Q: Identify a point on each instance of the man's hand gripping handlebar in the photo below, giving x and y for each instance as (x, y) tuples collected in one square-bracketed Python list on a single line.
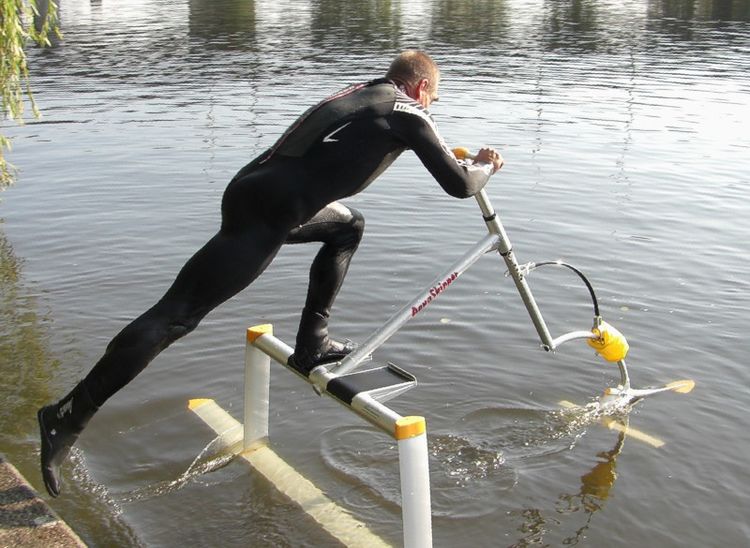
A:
[(484, 156)]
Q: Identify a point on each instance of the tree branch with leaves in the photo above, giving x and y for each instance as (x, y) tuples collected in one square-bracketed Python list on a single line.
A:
[(22, 22)]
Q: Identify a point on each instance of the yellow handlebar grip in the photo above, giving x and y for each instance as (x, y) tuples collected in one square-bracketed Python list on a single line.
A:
[(462, 153)]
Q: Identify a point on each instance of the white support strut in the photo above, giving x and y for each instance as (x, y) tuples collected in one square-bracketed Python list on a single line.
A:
[(410, 432), (415, 482), (257, 391)]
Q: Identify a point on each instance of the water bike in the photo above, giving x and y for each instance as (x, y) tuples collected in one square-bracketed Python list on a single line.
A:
[(604, 338)]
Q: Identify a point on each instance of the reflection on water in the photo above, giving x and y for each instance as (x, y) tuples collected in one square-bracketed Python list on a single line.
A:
[(480, 23), (476, 465), (223, 24), (28, 372), (466, 479), (596, 485), (363, 26), (705, 10), (26, 365)]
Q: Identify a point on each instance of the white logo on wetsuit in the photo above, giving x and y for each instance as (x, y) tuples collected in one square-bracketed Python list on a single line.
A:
[(329, 138), (65, 409)]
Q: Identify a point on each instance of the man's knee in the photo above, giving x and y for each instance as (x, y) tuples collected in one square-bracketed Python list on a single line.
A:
[(357, 224), (335, 225), (168, 322), (345, 229), (178, 328), (346, 236)]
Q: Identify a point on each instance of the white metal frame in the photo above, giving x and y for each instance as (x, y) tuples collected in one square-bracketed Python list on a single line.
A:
[(496, 240)]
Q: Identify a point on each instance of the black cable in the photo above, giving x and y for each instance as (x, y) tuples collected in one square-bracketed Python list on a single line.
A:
[(580, 275)]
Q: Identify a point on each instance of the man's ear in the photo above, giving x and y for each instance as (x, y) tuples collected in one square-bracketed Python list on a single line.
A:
[(422, 89)]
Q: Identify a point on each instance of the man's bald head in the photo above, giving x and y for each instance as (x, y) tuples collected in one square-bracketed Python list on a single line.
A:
[(412, 66)]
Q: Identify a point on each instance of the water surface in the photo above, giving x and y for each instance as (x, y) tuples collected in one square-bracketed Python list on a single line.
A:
[(624, 128)]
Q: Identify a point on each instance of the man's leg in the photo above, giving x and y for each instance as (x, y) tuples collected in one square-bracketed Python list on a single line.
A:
[(222, 268), (340, 229)]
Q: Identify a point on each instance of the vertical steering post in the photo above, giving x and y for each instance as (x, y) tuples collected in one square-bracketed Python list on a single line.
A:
[(504, 248)]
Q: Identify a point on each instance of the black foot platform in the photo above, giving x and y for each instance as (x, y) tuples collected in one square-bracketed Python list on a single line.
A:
[(381, 383)]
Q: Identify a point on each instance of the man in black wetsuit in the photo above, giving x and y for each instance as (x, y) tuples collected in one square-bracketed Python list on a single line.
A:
[(286, 195)]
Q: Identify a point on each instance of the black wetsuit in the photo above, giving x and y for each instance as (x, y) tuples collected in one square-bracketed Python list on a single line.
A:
[(288, 195)]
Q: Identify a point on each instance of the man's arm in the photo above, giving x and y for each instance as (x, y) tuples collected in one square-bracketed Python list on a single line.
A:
[(459, 178)]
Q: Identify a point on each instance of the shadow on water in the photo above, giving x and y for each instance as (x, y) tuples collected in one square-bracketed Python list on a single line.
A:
[(29, 368)]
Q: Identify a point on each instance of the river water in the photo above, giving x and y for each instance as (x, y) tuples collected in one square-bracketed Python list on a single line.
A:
[(625, 131)]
